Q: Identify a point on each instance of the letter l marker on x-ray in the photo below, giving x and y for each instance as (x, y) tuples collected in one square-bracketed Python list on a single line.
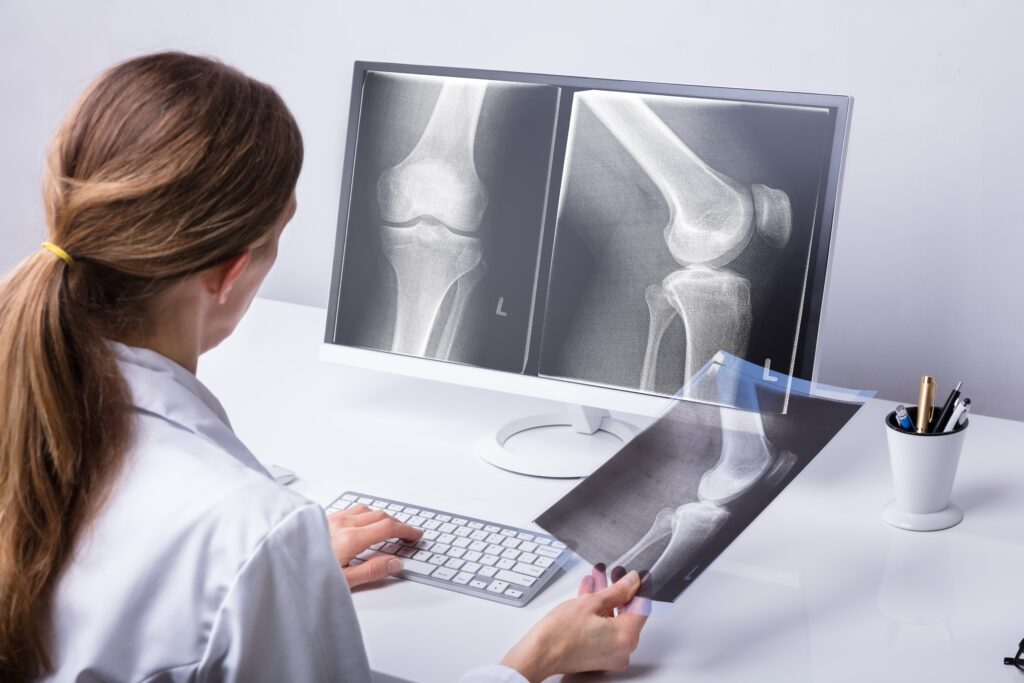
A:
[(498, 310), (767, 369)]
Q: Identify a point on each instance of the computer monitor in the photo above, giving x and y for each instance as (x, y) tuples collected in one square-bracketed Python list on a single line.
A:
[(590, 241)]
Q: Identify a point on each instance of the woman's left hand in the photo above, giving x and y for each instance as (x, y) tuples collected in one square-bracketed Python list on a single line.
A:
[(357, 528)]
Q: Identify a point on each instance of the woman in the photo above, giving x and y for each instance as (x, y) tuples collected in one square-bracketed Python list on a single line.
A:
[(139, 539)]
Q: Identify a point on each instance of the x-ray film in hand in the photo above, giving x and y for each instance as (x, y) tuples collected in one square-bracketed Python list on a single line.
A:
[(679, 493)]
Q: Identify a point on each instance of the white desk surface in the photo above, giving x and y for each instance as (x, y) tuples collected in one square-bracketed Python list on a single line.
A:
[(818, 588)]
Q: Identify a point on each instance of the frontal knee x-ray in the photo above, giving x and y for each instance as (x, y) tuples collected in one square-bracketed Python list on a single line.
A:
[(684, 228), (445, 217), (680, 492)]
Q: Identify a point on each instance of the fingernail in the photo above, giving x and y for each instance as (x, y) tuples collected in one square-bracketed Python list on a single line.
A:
[(617, 573), (632, 578), (394, 566), (599, 567)]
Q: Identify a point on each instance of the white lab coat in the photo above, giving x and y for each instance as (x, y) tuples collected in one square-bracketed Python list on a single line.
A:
[(200, 567)]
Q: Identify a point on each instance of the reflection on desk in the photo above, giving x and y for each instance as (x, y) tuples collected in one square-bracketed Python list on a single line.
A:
[(818, 588)]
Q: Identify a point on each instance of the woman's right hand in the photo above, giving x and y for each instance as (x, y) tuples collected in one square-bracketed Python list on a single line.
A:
[(356, 529), (583, 634)]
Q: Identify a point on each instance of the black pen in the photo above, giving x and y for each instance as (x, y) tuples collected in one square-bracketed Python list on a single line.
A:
[(947, 409)]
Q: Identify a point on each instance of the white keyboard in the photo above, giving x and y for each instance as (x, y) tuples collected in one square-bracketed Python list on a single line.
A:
[(473, 556)]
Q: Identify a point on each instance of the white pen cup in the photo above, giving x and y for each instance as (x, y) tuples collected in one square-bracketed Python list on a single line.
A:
[(923, 469)]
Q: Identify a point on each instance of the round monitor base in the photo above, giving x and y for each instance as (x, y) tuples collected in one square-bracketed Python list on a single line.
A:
[(546, 462), (934, 521)]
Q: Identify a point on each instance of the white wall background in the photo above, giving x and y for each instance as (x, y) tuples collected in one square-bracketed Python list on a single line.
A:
[(929, 250)]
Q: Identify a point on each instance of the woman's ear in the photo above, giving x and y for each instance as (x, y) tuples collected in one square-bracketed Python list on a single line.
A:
[(223, 277)]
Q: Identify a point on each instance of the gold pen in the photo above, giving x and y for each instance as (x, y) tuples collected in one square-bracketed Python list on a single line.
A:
[(925, 404)]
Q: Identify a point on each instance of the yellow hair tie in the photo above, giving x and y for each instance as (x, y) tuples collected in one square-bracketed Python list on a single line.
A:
[(59, 253)]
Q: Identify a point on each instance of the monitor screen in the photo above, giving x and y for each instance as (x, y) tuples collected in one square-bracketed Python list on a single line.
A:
[(573, 232)]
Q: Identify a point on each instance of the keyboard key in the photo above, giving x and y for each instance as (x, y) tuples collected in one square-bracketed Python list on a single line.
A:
[(366, 501), (446, 527), (477, 583), (548, 552), (416, 521), (443, 518), (456, 552), (475, 525), (529, 569), (441, 549), (508, 532), (495, 539), (543, 562), (497, 586), (513, 593), (460, 542), (439, 559), (477, 545), (410, 565), (543, 540), (505, 564), (459, 521), (431, 524), (395, 507), (463, 531), (488, 571), (558, 544), (491, 529), (518, 579), (401, 517), (489, 559), (527, 547), (446, 538), (390, 548), (424, 544), (406, 552), (380, 504), (462, 578), (431, 534), (454, 563), (349, 497), (523, 536), (426, 513), (471, 567), (443, 573), (494, 550), (472, 556), (479, 535), (510, 554), (511, 543), (528, 558), (412, 511), (422, 555)]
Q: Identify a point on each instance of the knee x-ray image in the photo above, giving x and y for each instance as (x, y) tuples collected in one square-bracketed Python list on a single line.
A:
[(684, 229), (615, 238), (680, 492), (445, 218)]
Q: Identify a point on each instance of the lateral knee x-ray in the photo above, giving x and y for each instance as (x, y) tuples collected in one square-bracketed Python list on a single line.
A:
[(680, 492), (608, 237)]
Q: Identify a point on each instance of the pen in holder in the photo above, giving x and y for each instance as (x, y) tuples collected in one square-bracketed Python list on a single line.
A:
[(923, 470)]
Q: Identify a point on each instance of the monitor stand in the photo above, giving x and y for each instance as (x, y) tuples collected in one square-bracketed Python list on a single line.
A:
[(586, 423)]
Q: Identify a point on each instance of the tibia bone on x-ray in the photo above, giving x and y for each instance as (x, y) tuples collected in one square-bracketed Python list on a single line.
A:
[(687, 528), (710, 214), (428, 259), (715, 308), (661, 315), (434, 201)]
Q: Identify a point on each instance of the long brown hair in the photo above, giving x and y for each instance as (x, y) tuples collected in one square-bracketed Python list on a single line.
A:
[(168, 164)]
